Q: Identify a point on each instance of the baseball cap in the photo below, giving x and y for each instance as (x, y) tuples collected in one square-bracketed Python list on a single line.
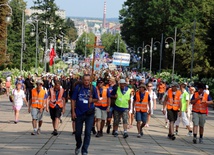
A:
[(122, 81), (39, 81), (99, 80), (174, 84), (142, 86)]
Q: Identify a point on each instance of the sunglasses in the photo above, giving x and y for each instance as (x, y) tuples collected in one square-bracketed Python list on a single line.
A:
[(149, 86)]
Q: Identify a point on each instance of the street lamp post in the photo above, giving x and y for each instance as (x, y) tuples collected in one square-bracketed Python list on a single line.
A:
[(174, 49), (192, 48), (161, 49), (150, 49), (46, 45), (36, 27), (8, 19), (23, 45)]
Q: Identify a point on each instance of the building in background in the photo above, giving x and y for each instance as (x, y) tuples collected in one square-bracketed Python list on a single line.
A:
[(60, 13)]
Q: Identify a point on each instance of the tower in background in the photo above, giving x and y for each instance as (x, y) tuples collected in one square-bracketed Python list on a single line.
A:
[(104, 15)]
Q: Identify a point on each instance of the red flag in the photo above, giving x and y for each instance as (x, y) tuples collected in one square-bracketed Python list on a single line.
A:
[(52, 55)]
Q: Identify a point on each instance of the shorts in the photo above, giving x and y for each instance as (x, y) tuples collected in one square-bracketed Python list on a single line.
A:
[(100, 114), (141, 116), (110, 113), (184, 119), (172, 115), (118, 115), (17, 107), (36, 114), (198, 119), (55, 112)]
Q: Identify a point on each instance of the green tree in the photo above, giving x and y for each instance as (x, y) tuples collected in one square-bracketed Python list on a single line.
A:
[(53, 23), (84, 39), (142, 20), (4, 11), (112, 42), (14, 39)]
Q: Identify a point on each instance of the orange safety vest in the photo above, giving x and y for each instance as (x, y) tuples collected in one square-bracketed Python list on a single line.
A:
[(141, 106), (38, 98), (161, 88), (173, 103), (200, 105), (59, 101), (103, 102)]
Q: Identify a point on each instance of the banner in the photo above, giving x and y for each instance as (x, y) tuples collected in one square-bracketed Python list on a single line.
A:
[(121, 59), (112, 67)]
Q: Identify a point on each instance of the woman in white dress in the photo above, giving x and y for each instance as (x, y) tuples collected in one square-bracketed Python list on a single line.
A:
[(153, 98), (131, 111), (19, 97)]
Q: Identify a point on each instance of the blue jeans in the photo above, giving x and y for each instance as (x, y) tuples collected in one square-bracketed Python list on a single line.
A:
[(141, 116), (89, 120)]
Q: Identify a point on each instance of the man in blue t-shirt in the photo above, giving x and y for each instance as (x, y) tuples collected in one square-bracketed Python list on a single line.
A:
[(82, 105)]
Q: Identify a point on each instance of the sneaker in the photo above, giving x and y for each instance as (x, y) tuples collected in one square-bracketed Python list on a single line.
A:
[(98, 134), (125, 135), (139, 136), (77, 151), (147, 125), (33, 133), (55, 133), (141, 132), (189, 134), (93, 130), (39, 131), (173, 137), (15, 122), (115, 134), (108, 129), (194, 140), (176, 132), (101, 133), (201, 140), (169, 136)]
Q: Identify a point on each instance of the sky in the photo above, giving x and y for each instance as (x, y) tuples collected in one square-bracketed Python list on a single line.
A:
[(87, 8)]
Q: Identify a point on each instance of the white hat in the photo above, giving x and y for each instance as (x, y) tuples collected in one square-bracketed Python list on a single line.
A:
[(39, 81), (207, 86), (122, 81)]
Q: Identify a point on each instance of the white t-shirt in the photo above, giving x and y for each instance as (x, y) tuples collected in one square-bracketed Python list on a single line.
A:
[(18, 97), (207, 91), (152, 96)]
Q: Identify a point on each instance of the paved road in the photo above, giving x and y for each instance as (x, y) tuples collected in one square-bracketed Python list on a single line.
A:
[(15, 139)]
